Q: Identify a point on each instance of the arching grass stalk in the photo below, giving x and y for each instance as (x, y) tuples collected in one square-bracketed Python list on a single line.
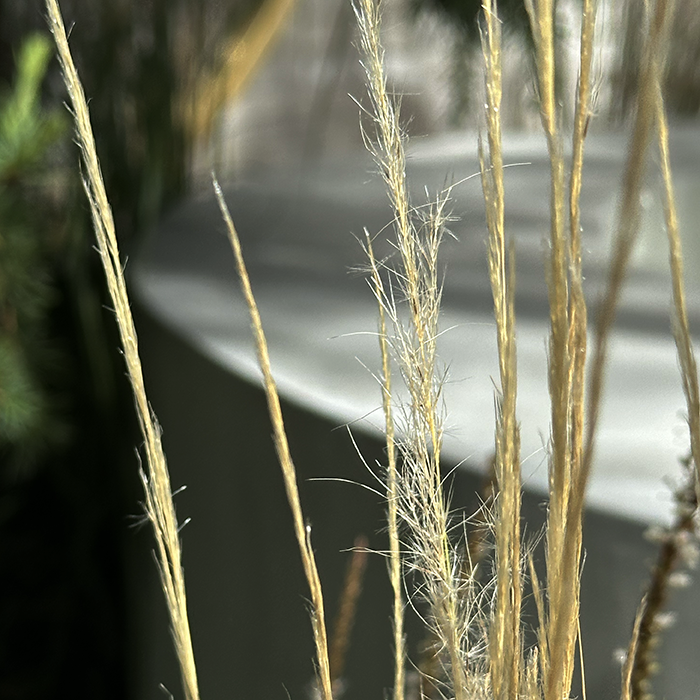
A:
[(681, 327), (156, 482), (301, 529), (673, 542)]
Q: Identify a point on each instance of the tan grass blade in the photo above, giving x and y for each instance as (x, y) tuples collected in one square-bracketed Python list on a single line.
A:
[(567, 351), (392, 482), (505, 644), (244, 54), (301, 530), (159, 503), (681, 327)]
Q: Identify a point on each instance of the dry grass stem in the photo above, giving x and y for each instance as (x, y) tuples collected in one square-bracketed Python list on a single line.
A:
[(505, 644), (345, 619), (629, 214), (567, 355), (681, 328), (244, 53), (677, 548), (395, 569), (628, 665), (159, 503), (301, 530), (542, 23), (578, 312)]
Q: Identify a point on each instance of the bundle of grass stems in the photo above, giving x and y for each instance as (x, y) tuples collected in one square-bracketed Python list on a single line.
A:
[(479, 639)]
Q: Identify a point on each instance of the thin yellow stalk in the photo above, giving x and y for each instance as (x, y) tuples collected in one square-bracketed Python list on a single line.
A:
[(159, 503), (243, 55), (542, 22), (578, 322), (505, 635), (301, 530), (565, 597), (681, 329), (392, 484), (579, 316), (566, 356), (582, 119), (628, 219)]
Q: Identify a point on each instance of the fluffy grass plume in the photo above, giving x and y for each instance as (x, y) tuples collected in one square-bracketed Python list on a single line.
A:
[(156, 480), (412, 341)]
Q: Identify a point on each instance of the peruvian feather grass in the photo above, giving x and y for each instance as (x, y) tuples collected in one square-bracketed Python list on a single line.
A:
[(159, 505), (477, 626), (416, 493), (495, 663)]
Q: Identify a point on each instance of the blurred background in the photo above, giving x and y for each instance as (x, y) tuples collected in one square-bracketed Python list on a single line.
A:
[(261, 91)]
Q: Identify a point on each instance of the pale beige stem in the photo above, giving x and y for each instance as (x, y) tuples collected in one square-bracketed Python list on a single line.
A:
[(505, 645), (681, 327), (301, 530), (159, 503), (392, 484)]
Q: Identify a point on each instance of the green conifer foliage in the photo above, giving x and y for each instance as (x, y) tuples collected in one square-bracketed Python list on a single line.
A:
[(27, 133)]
